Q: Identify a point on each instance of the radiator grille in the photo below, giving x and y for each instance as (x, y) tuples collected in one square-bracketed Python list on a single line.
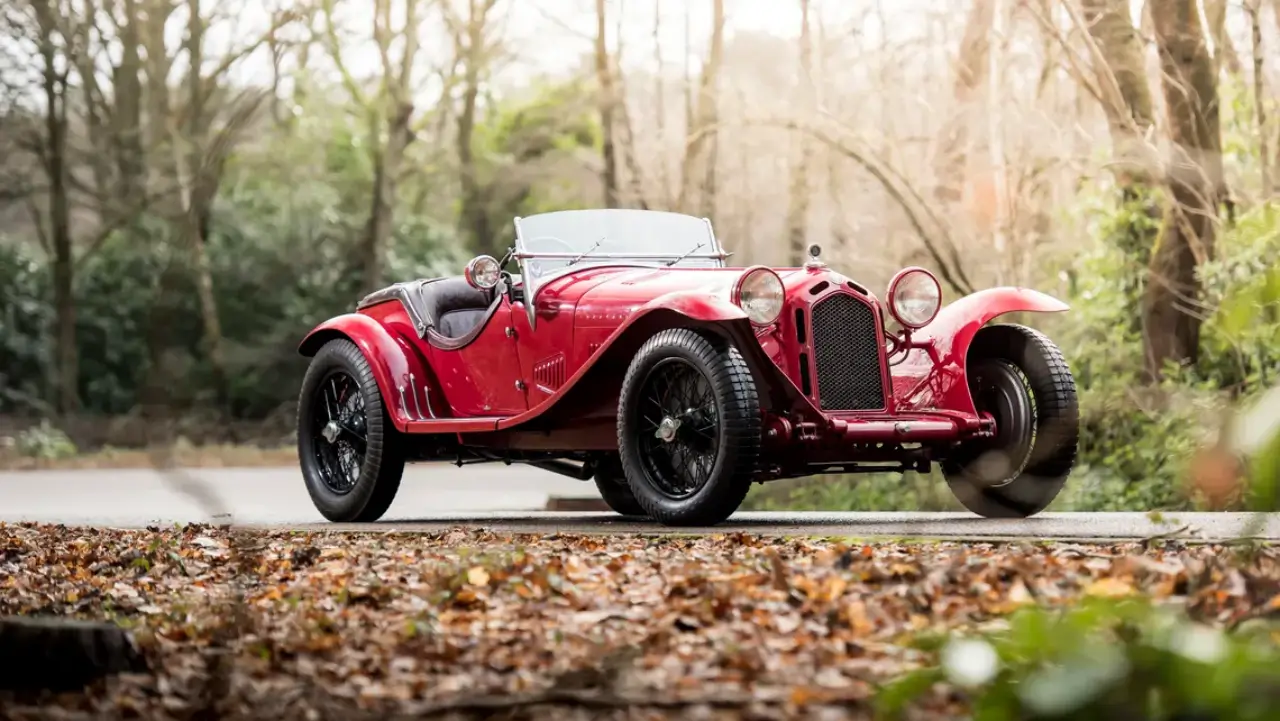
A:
[(847, 355)]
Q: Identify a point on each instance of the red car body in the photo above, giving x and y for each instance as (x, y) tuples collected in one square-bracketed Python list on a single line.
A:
[(627, 353), (548, 381)]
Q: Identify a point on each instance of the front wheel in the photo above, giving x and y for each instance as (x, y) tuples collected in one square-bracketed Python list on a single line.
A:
[(352, 457), (689, 428), (1018, 376)]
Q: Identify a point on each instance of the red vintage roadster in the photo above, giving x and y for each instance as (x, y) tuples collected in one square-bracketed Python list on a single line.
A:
[(626, 351)]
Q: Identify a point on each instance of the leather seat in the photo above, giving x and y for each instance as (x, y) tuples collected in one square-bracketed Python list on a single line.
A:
[(454, 312), (447, 312)]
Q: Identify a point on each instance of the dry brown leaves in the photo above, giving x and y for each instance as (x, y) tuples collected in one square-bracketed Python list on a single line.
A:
[(446, 623)]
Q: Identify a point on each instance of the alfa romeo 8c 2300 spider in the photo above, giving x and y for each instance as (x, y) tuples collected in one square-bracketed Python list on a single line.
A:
[(619, 346)]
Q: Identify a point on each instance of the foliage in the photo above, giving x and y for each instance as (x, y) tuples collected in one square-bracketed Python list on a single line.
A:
[(1107, 659), (26, 317), (44, 442), (861, 492)]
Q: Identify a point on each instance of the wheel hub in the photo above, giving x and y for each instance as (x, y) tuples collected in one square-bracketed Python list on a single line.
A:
[(667, 429), (331, 431)]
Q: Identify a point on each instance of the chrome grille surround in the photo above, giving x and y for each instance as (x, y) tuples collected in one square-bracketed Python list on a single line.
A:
[(847, 354)]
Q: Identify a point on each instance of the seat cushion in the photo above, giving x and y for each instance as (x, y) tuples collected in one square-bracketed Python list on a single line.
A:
[(457, 323)]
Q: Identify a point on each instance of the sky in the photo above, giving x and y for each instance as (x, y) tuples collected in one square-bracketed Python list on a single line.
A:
[(553, 36)]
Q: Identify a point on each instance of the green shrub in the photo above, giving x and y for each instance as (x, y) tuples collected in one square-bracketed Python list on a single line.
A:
[(1104, 660), (44, 442)]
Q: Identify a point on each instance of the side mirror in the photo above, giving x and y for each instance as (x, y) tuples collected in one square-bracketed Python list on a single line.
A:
[(483, 272)]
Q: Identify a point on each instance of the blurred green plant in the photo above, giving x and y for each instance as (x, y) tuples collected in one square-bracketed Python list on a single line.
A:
[(45, 442), (1104, 659)]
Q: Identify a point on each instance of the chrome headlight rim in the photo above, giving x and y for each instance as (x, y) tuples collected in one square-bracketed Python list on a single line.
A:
[(745, 283), (483, 272), (896, 284)]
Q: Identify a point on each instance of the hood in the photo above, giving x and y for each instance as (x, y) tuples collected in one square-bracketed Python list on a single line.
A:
[(640, 285)]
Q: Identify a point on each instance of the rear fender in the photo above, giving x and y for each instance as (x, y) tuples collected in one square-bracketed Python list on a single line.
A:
[(919, 384), (392, 358)]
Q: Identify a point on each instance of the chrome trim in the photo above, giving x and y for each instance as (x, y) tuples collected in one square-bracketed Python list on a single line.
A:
[(426, 395), (404, 403), (414, 387), (400, 292), (620, 256)]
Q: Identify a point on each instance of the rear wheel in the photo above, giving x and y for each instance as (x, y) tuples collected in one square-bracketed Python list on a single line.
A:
[(1018, 376), (352, 457), (689, 428), (613, 487)]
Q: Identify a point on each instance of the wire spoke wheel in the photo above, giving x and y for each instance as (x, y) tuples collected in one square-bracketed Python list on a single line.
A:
[(339, 431), (688, 428), (679, 428)]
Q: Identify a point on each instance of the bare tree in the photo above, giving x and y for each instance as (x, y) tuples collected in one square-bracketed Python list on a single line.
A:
[(699, 194), (472, 46), (52, 19), (800, 192), (388, 117), (1224, 52), (608, 104), (1254, 10), (1172, 309), (1125, 94), (971, 69)]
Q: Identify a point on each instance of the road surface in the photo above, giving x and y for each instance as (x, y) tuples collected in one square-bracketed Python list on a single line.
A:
[(438, 496)]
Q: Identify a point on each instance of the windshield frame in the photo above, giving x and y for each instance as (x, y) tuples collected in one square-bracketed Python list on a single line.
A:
[(587, 259)]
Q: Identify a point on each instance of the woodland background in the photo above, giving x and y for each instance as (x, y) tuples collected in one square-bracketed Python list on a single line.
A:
[(187, 186)]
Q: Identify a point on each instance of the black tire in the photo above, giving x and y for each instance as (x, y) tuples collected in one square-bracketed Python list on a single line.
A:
[(340, 382), (613, 487), (701, 473), (1015, 370)]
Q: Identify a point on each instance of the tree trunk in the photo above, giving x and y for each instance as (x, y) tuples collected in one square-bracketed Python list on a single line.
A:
[(130, 160), (55, 166), (607, 104), (660, 108), (1224, 53), (798, 203), (698, 196), (199, 184), (475, 216), (711, 114), (1120, 68), (1254, 8), (971, 72), (382, 214), (1122, 75), (470, 47), (1172, 309)]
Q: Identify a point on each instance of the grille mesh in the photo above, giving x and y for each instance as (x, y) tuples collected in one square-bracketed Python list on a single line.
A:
[(847, 355)]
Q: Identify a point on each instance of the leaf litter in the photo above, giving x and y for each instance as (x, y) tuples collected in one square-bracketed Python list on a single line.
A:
[(461, 623)]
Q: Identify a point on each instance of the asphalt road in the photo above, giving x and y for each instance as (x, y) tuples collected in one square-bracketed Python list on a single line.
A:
[(512, 498)]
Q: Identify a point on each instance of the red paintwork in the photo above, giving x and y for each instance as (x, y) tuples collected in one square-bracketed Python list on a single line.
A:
[(937, 379), (588, 324)]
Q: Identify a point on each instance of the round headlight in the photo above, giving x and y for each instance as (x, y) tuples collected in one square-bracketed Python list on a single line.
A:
[(759, 293), (482, 272), (914, 297)]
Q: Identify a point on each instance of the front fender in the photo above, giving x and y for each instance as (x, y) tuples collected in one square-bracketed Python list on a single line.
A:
[(697, 305), (955, 326), (919, 384), (391, 357)]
